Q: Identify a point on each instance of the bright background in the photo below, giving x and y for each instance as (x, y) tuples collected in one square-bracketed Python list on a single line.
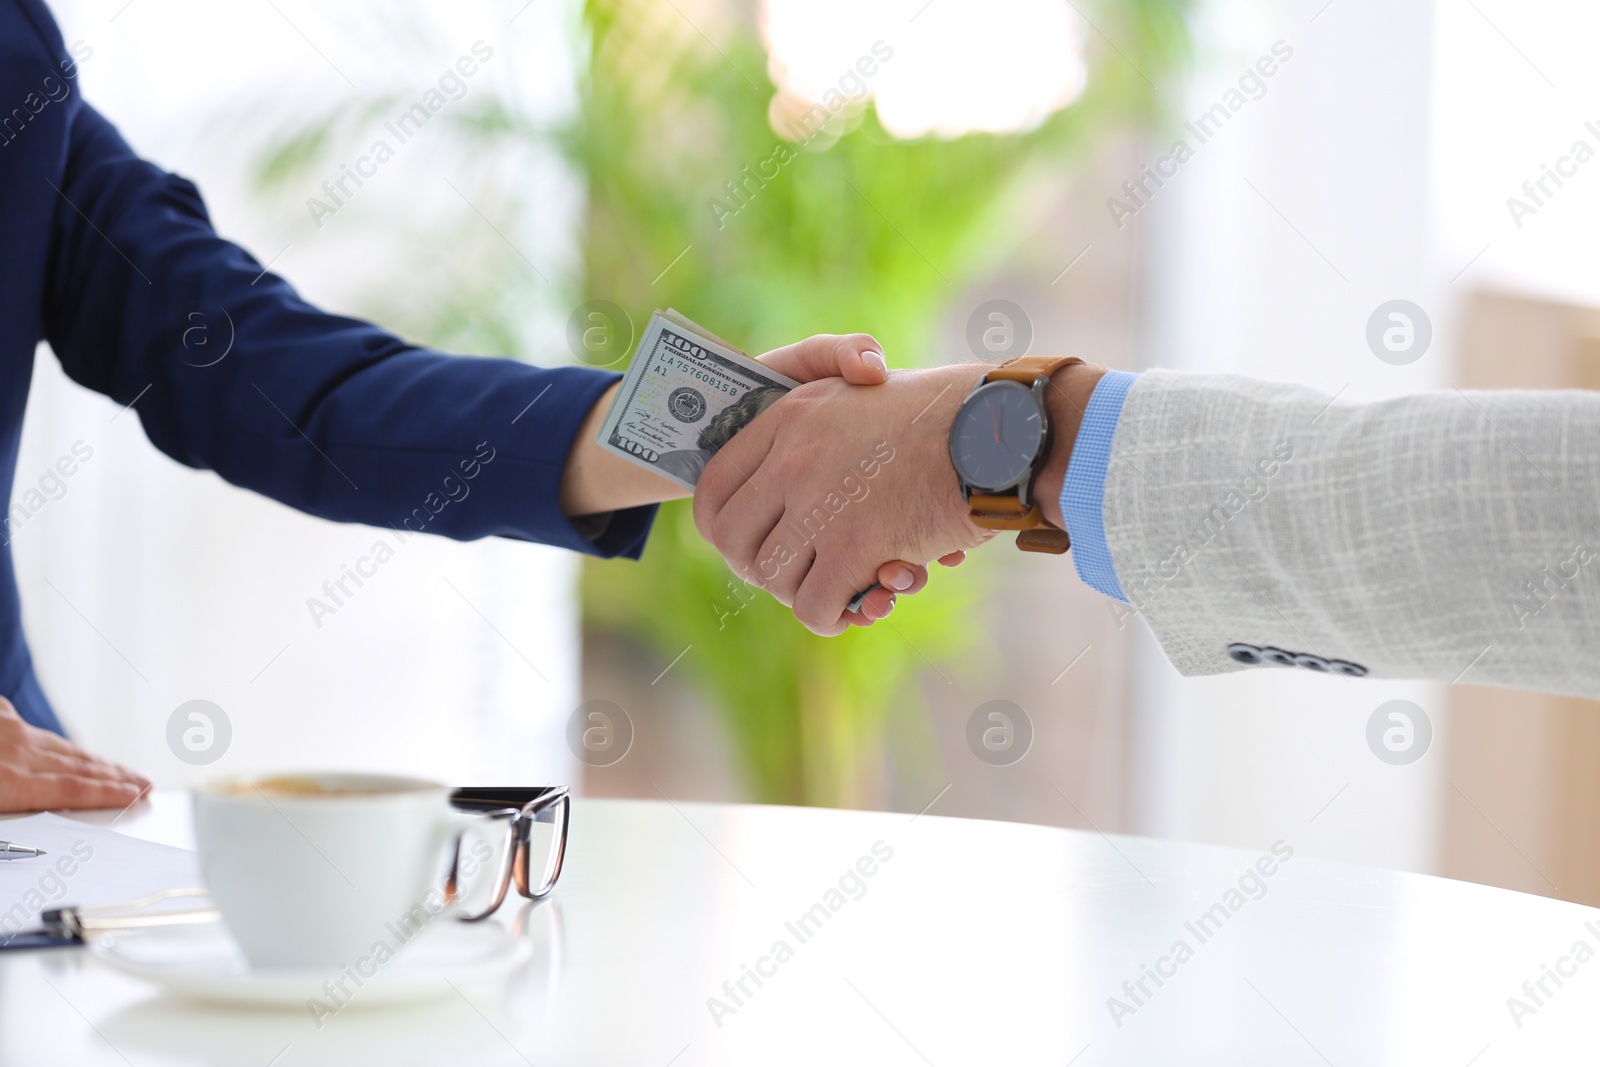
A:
[(1375, 166), (197, 589)]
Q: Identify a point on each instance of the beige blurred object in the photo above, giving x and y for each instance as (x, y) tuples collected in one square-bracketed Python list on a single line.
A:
[(1523, 804)]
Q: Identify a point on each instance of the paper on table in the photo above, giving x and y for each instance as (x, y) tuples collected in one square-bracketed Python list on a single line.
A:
[(84, 865)]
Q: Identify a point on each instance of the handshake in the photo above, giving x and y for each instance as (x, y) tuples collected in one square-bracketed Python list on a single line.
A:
[(819, 474)]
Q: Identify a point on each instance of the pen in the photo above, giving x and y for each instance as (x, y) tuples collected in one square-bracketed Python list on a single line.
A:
[(10, 850)]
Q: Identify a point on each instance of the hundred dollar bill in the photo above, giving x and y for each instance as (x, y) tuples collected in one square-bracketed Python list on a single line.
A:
[(685, 395)]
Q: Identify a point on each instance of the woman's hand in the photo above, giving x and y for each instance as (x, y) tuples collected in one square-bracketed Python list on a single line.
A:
[(42, 771)]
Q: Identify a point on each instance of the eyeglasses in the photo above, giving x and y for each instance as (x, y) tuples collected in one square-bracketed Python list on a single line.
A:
[(535, 843)]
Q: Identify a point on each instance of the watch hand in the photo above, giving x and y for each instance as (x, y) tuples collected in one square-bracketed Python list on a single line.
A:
[(994, 416)]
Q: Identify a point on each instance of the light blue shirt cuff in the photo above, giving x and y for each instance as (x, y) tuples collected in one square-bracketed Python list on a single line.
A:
[(1083, 492)]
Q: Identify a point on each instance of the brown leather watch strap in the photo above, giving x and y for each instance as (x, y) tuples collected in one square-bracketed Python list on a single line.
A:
[(1004, 512), (1025, 369), (1034, 533), (1045, 539)]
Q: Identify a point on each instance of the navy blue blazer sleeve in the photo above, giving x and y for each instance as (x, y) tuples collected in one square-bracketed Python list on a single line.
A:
[(326, 414)]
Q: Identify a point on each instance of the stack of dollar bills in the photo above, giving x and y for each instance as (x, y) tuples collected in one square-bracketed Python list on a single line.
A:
[(685, 395)]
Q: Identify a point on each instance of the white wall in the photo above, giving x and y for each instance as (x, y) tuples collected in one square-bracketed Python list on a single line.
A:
[(1337, 149), (189, 588), (1516, 84)]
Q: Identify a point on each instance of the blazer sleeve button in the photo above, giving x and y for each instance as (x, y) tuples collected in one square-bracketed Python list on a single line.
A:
[(1240, 652)]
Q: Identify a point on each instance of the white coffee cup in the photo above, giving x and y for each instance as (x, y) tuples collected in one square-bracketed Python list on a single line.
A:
[(320, 869)]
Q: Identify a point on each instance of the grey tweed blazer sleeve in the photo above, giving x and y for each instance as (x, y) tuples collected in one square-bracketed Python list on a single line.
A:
[(1445, 535)]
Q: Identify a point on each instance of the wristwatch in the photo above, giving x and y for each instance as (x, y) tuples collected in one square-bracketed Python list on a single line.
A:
[(999, 440)]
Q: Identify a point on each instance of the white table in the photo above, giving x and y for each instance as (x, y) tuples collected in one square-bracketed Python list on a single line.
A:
[(975, 943)]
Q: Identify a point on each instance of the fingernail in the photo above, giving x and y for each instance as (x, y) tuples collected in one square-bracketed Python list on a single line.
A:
[(875, 359), (900, 580), (888, 609)]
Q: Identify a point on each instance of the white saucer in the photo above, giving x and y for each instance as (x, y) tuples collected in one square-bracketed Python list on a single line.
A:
[(203, 961)]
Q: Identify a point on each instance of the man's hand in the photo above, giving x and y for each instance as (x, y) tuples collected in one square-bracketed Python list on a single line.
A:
[(812, 496), (832, 479), (856, 358), (40, 771), (597, 481)]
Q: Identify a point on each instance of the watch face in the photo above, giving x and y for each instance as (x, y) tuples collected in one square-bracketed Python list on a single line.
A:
[(996, 435)]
